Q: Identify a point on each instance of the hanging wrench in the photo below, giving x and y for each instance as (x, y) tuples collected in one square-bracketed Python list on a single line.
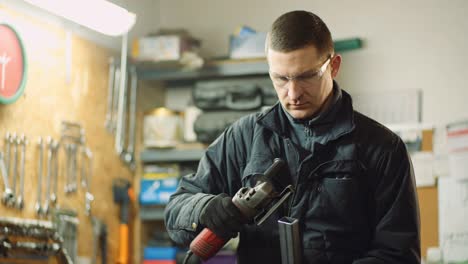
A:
[(23, 142), (14, 169), (48, 175), (54, 172), (110, 95), (73, 152), (8, 193), (6, 158), (84, 179), (89, 198), (37, 207), (67, 168)]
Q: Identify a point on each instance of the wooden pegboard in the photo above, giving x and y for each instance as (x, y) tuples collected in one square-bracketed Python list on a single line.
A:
[(50, 98)]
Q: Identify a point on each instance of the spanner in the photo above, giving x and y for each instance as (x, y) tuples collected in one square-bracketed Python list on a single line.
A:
[(83, 164), (40, 145), (89, 198), (6, 158), (48, 175), (71, 167), (8, 193), (14, 169), (54, 172), (67, 168), (20, 200), (73, 151)]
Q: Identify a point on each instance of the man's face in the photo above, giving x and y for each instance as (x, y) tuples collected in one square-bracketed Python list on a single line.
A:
[(303, 79)]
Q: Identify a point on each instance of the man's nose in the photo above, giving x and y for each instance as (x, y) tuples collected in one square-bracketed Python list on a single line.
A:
[(295, 91)]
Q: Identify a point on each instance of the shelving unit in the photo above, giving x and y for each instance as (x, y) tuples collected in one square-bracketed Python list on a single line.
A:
[(147, 156), (156, 213)]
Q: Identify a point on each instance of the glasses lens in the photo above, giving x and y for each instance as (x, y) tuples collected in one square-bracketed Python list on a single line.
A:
[(308, 80), (280, 81)]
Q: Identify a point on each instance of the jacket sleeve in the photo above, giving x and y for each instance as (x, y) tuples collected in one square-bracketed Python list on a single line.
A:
[(218, 172), (396, 215)]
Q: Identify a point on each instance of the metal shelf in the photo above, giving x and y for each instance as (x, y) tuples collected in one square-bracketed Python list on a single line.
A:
[(151, 213), (227, 68), (171, 155)]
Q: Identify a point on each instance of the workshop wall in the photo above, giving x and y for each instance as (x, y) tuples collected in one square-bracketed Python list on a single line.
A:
[(51, 96)]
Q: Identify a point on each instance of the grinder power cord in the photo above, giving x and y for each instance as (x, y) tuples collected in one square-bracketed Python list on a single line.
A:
[(223, 217)]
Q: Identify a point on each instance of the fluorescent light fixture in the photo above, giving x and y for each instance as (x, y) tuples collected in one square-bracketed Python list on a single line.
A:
[(99, 15)]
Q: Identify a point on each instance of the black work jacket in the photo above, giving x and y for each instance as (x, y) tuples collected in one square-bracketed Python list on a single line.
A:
[(355, 195)]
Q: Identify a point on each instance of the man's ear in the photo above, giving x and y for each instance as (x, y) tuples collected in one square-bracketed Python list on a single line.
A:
[(335, 65)]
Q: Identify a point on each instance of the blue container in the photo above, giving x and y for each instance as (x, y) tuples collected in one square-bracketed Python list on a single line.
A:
[(159, 253), (156, 192)]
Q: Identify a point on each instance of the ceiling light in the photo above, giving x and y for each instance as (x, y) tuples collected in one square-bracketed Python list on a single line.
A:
[(99, 15)]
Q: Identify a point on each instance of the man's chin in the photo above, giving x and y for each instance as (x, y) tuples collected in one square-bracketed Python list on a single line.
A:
[(300, 114)]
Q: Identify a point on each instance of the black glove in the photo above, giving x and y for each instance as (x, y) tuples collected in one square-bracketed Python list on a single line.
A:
[(221, 216)]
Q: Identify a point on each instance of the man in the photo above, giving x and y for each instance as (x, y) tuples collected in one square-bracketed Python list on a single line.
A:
[(355, 194)]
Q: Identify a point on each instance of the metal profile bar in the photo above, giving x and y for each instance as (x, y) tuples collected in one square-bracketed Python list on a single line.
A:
[(290, 241)]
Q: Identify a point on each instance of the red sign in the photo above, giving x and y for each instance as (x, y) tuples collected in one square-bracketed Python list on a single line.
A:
[(12, 65)]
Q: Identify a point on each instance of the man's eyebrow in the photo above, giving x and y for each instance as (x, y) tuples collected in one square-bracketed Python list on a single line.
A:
[(276, 74), (307, 72)]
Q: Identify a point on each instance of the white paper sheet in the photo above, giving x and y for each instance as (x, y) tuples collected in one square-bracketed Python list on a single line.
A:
[(423, 165), (453, 219)]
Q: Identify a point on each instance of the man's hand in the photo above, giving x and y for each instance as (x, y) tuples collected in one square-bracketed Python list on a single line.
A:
[(221, 216)]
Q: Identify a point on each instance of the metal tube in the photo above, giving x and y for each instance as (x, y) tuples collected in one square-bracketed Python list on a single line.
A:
[(290, 241)]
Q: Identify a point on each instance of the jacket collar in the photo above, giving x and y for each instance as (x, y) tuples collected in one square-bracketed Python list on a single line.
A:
[(276, 120)]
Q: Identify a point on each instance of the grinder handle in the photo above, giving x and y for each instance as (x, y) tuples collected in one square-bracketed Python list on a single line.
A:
[(206, 244), (274, 169)]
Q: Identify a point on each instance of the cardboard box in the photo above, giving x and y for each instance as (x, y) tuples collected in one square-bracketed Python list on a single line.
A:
[(166, 45), (248, 46), (158, 48)]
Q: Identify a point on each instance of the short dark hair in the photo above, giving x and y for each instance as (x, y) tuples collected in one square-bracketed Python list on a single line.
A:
[(298, 29)]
